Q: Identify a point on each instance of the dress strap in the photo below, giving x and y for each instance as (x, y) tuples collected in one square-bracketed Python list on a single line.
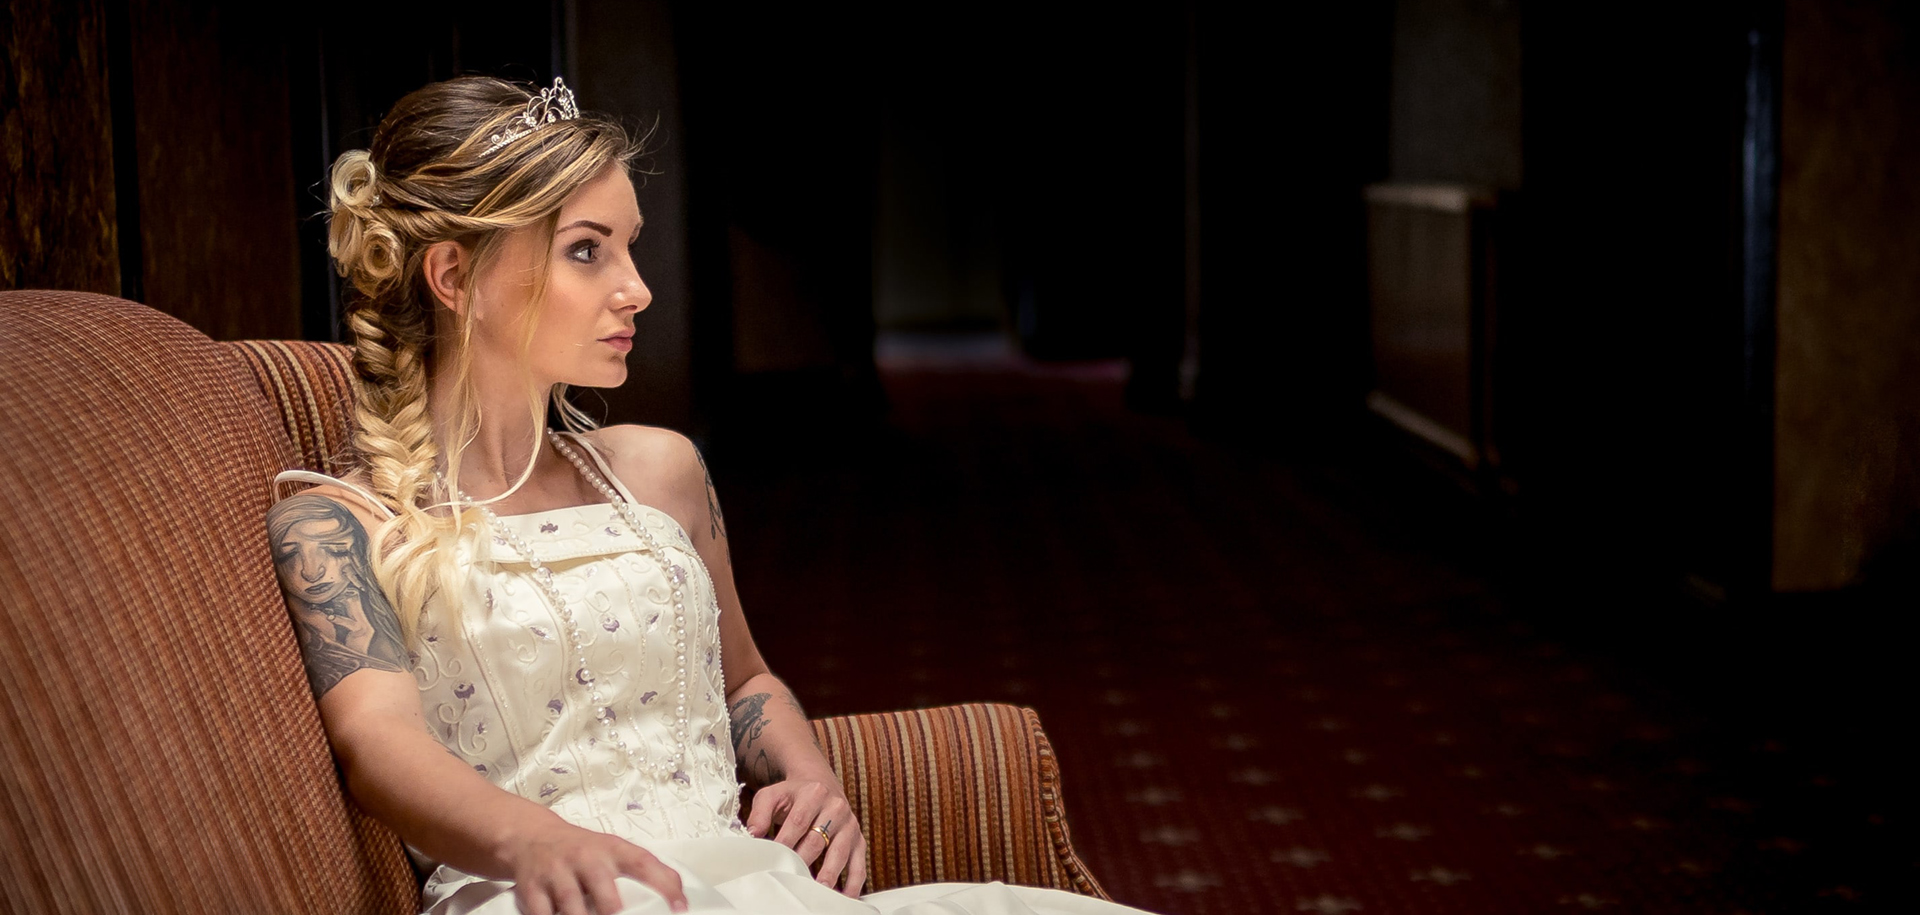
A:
[(601, 463), (308, 476)]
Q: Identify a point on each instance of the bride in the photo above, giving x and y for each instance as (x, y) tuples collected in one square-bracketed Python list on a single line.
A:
[(526, 644)]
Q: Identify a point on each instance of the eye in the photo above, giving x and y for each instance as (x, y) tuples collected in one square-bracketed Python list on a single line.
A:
[(584, 251)]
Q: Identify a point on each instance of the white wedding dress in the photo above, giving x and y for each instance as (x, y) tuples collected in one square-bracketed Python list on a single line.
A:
[(498, 689)]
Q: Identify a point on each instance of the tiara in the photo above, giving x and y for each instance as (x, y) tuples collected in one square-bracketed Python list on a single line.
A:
[(555, 104)]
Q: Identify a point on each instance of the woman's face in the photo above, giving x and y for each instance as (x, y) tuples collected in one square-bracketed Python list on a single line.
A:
[(593, 291), (325, 547)]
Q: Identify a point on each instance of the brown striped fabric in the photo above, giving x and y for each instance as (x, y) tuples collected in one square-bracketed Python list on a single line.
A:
[(311, 388), (967, 793), (159, 749)]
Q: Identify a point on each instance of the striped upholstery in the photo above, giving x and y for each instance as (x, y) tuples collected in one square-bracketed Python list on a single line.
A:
[(965, 793), (159, 749), (310, 385)]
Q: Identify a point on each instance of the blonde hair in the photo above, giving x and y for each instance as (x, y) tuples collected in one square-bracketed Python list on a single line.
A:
[(427, 178)]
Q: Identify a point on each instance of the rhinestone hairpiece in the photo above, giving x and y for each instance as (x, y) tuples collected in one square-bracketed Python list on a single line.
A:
[(554, 104)]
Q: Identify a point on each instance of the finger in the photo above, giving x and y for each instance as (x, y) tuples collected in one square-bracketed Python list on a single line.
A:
[(833, 859), (811, 847), (857, 871), (567, 898), (802, 814), (644, 867), (766, 802), (532, 900), (602, 892)]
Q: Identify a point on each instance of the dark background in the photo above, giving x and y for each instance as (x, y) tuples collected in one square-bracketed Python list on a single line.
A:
[(1704, 390)]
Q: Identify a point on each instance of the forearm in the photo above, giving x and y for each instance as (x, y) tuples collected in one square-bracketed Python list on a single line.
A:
[(436, 802), (771, 737)]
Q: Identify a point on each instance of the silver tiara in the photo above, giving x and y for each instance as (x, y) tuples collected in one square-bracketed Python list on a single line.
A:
[(555, 104)]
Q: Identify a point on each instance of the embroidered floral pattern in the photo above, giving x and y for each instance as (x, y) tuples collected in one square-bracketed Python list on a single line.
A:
[(557, 749)]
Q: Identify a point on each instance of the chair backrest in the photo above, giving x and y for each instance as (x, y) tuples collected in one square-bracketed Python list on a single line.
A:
[(310, 387), (159, 748)]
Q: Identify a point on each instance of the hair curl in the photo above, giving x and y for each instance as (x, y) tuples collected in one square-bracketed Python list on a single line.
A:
[(426, 178)]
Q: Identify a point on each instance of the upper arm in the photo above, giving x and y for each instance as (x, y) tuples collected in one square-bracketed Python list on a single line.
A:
[(675, 474), (348, 632)]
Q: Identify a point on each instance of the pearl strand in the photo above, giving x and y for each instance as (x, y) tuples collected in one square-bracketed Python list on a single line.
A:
[(732, 809), (543, 576)]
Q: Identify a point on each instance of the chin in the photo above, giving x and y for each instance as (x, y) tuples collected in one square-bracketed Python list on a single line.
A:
[(602, 380)]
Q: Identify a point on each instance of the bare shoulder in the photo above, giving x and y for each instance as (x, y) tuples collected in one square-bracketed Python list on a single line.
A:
[(649, 457), (663, 468)]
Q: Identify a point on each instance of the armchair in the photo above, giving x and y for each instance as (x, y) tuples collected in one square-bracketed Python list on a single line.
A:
[(159, 749)]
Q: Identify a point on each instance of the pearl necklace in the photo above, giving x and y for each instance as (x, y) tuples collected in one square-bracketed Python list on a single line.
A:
[(583, 675)]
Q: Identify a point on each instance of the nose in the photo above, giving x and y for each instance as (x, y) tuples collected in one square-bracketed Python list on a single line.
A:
[(632, 295), (312, 567)]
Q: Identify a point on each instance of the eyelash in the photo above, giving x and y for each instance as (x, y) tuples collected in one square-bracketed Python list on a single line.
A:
[(589, 245)]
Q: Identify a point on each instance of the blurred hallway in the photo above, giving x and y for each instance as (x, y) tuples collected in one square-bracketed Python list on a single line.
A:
[(1273, 687)]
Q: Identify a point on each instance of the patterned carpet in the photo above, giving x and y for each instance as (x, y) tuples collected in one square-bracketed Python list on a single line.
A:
[(1270, 692)]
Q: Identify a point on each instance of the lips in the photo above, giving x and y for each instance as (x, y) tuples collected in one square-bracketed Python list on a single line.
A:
[(622, 341)]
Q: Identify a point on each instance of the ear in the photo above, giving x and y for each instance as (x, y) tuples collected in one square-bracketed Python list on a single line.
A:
[(445, 269)]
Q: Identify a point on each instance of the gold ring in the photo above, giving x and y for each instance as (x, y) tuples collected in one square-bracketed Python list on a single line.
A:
[(822, 830)]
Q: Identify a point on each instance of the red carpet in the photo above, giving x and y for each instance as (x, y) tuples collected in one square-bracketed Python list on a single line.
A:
[(1265, 697)]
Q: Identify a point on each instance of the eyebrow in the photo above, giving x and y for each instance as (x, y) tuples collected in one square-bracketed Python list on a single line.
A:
[(597, 227)]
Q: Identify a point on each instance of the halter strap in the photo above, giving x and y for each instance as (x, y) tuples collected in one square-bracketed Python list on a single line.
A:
[(308, 476)]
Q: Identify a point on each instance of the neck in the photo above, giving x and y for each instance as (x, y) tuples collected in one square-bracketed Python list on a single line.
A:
[(505, 442)]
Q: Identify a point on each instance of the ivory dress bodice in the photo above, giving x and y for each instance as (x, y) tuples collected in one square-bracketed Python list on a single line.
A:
[(499, 689)]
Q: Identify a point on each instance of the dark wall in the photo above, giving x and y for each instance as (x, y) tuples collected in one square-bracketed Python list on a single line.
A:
[(147, 155), (626, 58), (56, 149), (1625, 328), (212, 140), (1456, 93), (1292, 124)]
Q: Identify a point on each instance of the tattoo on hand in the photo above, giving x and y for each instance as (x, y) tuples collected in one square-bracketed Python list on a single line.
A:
[(341, 616), (716, 525)]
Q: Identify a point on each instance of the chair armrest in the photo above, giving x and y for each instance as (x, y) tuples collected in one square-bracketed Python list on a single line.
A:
[(965, 793)]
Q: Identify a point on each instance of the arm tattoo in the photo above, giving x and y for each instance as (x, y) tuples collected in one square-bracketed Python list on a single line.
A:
[(749, 720), (341, 616), (716, 525)]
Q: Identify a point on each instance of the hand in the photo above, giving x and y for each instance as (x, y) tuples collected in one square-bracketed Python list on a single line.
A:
[(566, 870), (796, 806)]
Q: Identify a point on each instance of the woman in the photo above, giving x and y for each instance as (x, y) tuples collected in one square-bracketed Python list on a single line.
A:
[(525, 644)]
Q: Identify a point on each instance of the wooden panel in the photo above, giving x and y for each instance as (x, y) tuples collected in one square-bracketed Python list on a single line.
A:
[(217, 218), (1426, 320), (1847, 431), (56, 149)]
